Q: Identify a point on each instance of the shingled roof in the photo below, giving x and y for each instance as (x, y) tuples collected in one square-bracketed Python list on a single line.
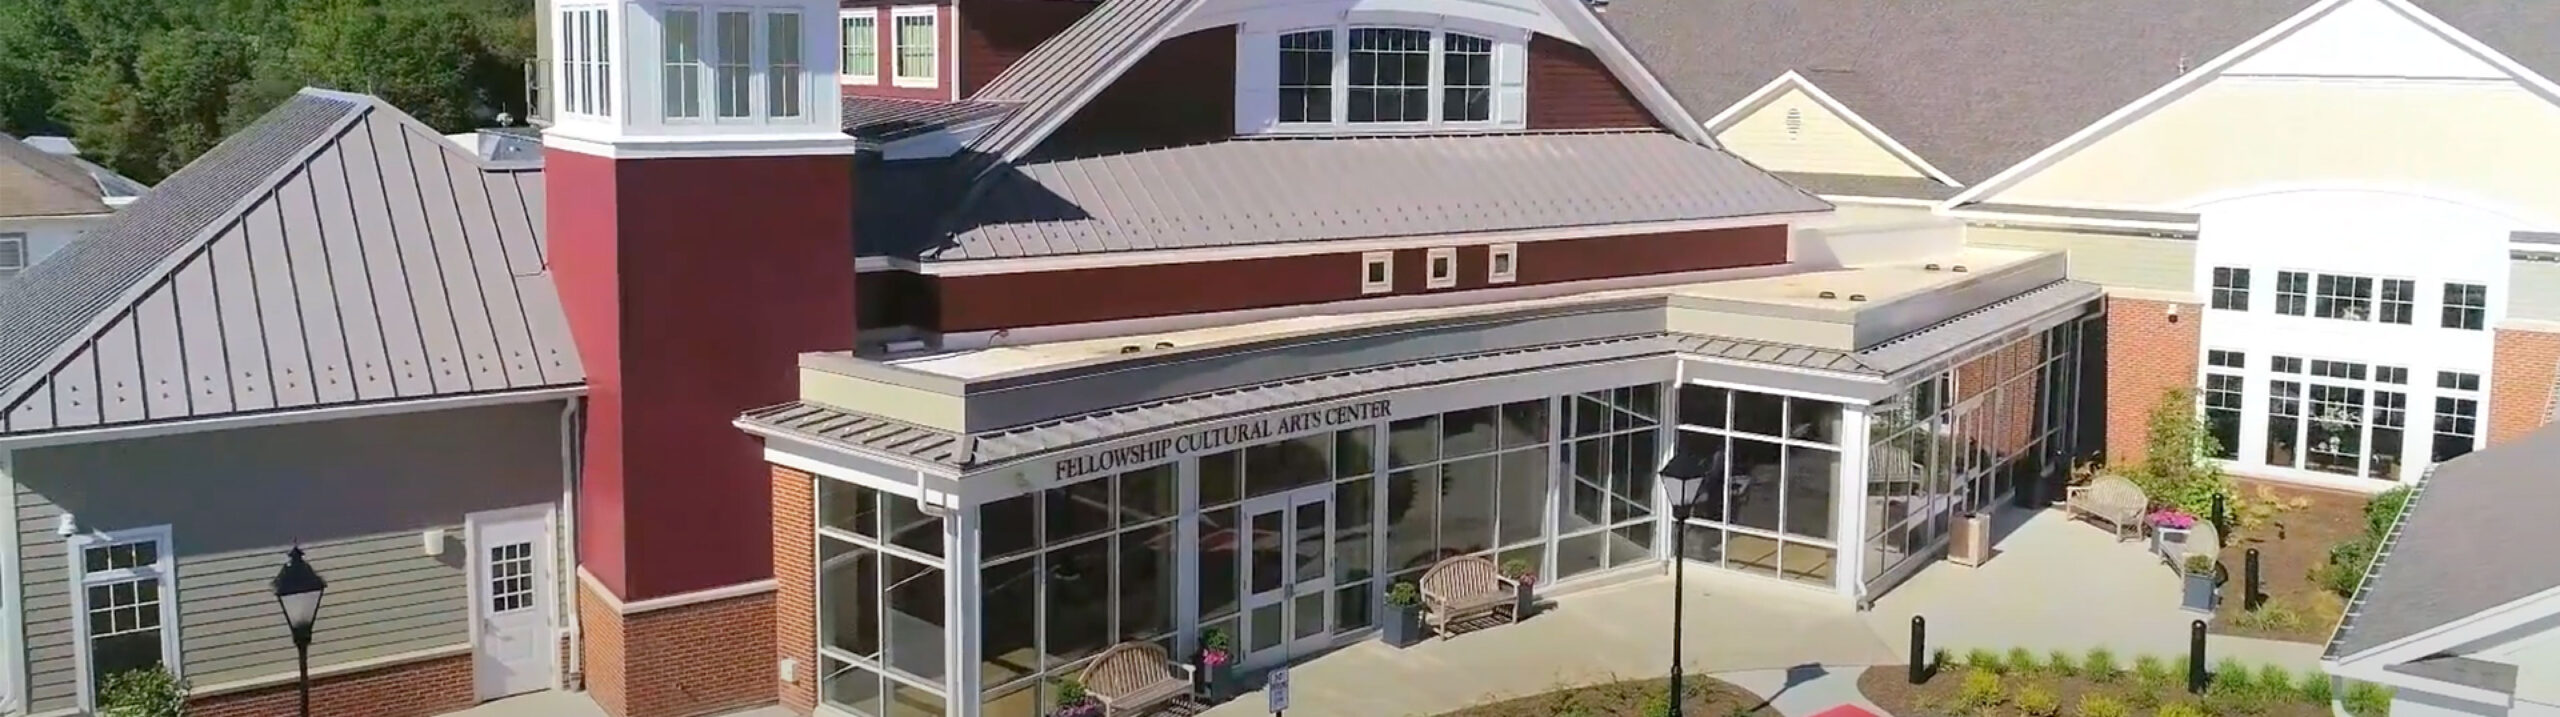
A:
[(1975, 86), (2466, 542), (335, 252), (34, 183)]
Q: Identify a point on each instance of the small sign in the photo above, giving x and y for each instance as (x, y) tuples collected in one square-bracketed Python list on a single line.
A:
[(1278, 688)]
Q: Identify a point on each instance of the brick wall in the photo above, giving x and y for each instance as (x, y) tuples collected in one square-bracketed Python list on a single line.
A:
[(2521, 374), (425, 687), (703, 658), (795, 594), (2147, 354)]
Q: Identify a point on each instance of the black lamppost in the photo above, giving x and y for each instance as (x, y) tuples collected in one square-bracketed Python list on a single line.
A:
[(1686, 478), (298, 589)]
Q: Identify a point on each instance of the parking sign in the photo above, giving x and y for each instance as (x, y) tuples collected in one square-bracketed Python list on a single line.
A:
[(1278, 688)]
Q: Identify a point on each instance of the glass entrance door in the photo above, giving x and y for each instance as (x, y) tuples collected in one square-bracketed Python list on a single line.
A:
[(1287, 575)]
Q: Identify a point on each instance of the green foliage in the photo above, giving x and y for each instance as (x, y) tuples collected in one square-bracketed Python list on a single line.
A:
[(2061, 663), (2100, 664), (2038, 702), (2101, 706), (1404, 594), (2022, 662), (2151, 672), (1216, 639), (143, 692), (2230, 671), (2366, 699), (1070, 691), (145, 86), (1985, 660), (2273, 616), (2275, 681), (2200, 565), (2177, 468), (2347, 562), (1940, 659), (2181, 709), (2234, 690), (2314, 687), (2384, 509), (1981, 691)]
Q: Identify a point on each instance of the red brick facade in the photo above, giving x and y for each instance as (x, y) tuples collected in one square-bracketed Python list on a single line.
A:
[(2521, 373), (425, 687), (2149, 352), (795, 576), (702, 658)]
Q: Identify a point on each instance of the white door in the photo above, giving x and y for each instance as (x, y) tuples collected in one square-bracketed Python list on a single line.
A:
[(1288, 576), (511, 601)]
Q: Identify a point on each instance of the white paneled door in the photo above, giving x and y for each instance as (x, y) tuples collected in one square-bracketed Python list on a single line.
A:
[(511, 601)]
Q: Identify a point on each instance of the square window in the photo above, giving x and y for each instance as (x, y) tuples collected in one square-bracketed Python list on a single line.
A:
[(2399, 297), (1443, 263), (2457, 381), (2466, 306), (2293, 293), (1377, 272), (918, 42), (1502, 264), (2348, 298), (2230, 288), (2226, 359), (861, 46), (13, 253), (2287, 364)]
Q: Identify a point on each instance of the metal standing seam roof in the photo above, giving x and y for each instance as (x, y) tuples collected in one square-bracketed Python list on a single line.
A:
[(35, 183), (1055, 79), (335, 252), (882, 119), (1268, 191), (1859, 185), (1976, 86), (849, 427), (2458, 547)]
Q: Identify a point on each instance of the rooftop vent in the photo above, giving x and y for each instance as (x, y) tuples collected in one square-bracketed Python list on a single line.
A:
[(899, 347), (1929, 267), (1857, 297), (1959, 268), (1164, 344), (1131, 348), (1830, 295)]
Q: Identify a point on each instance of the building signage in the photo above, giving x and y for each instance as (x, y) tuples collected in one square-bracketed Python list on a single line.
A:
[(1234, 434)]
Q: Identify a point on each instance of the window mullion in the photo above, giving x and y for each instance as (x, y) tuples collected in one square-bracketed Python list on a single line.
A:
[(1436, 77)]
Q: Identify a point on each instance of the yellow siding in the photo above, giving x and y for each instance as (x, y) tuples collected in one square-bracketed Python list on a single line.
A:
[(2533, 290), (1823, 143), (2491, 142), (2111, 260)]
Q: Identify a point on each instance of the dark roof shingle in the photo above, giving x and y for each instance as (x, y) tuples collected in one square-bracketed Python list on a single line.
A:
[(2462, 545)]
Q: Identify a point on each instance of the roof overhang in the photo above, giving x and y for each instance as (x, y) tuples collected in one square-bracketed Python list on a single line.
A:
[(285, 417)]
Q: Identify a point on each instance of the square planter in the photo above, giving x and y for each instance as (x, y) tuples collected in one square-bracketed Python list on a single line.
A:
[(2197, 594), (1403, 626), (1525, 603)]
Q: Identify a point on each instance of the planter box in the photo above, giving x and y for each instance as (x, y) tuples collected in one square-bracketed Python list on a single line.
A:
[(1403, 626), (1526, 603), (2198, 593), (1971, 544)]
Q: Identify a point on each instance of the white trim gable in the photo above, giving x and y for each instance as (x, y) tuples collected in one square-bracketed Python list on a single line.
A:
[(2464, 631), (2291, 61), (1792, 80)]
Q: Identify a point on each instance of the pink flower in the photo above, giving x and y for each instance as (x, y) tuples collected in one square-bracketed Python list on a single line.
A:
[(1213, 658), (2172, 518)]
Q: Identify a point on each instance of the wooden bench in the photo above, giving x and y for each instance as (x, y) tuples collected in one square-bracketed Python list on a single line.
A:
[(2109, 498), (1464, 588), (1133, 677)]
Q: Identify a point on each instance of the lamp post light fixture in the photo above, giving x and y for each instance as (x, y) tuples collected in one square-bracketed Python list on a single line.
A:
[(1686, 479), (298, 590)]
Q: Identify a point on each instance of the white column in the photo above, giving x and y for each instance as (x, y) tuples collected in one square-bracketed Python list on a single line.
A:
[(1666, 524), (13, 613), (966, 625), (1849, 514)]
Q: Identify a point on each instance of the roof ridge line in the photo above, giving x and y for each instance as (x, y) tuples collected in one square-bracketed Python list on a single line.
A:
[(18, 389)]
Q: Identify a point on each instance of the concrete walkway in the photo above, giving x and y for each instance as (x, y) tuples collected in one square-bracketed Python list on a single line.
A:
[(576, 704), (1805, 691)]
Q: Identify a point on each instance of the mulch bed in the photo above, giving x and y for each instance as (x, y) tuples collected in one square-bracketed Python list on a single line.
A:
[(1889, 687), (2292, 547), (1708, 697)]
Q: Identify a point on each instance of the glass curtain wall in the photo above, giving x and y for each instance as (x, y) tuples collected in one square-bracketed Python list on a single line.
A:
[(1069, 572), (1604, 509), (1961, 440), (1466, 482), (881, 627), (1774, 514), (1342, 459)]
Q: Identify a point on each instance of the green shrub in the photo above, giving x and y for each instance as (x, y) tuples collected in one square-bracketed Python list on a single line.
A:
[(2231, 674), (1981, 691), (2022, 662), (1986, 660), (2273, 616), (2101, 665), (1940, 659), (2100, 706), (2152, 672), (2347, 562), (2060, 663), (143, 692), (1655, 705), (2383, 510), (2366, 699), (2143, 700), (1404, 594), (2275, 682), (2181, 709), (2038, 702), (2177, 467), (2314, 687)]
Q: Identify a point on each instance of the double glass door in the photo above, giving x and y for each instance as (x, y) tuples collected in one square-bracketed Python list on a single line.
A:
[(1287, 575)]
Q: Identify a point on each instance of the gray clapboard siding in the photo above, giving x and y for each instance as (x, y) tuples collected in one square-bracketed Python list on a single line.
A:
[(355, 493), (2533, 289), (2112, 260)]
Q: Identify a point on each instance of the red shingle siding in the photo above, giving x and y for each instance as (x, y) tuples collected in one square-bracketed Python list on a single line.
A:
[(1570, 89), (425, 687), (2148, 353), (994, 34), (795, 576), (2522, 370), (995, 301), (1139, 110)]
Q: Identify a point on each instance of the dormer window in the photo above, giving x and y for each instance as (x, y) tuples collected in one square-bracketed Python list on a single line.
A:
[(917, 35), (736, 64), (1381, 78), (586, 61)]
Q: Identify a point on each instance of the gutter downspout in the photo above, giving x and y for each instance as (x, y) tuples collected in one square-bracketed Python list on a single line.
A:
[(574, 678)]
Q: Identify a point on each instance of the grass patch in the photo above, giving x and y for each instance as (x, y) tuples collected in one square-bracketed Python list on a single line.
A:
[(1707, 697), (2096, 688)]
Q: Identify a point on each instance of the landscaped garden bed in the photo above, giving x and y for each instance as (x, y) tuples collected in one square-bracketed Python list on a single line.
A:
[(2295, 531), (1708, 697), (2019, 683)]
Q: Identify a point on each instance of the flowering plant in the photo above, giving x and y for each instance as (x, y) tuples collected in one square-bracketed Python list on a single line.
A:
[(2172, 518), (1520, 570), (1214, 644), (1073, 701)]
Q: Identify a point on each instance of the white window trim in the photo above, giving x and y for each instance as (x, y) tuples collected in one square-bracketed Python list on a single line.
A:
[(701, 65), (712, 48), (1510, 48), (1434, 261), (846, 74), (764, 74), (598, 73), (1502, 263), (165, 570), (933, 68), (1385, 262)]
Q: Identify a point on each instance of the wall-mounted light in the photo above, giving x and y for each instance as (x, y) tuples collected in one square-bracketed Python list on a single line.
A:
[(432, 542), (2173, 313)]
